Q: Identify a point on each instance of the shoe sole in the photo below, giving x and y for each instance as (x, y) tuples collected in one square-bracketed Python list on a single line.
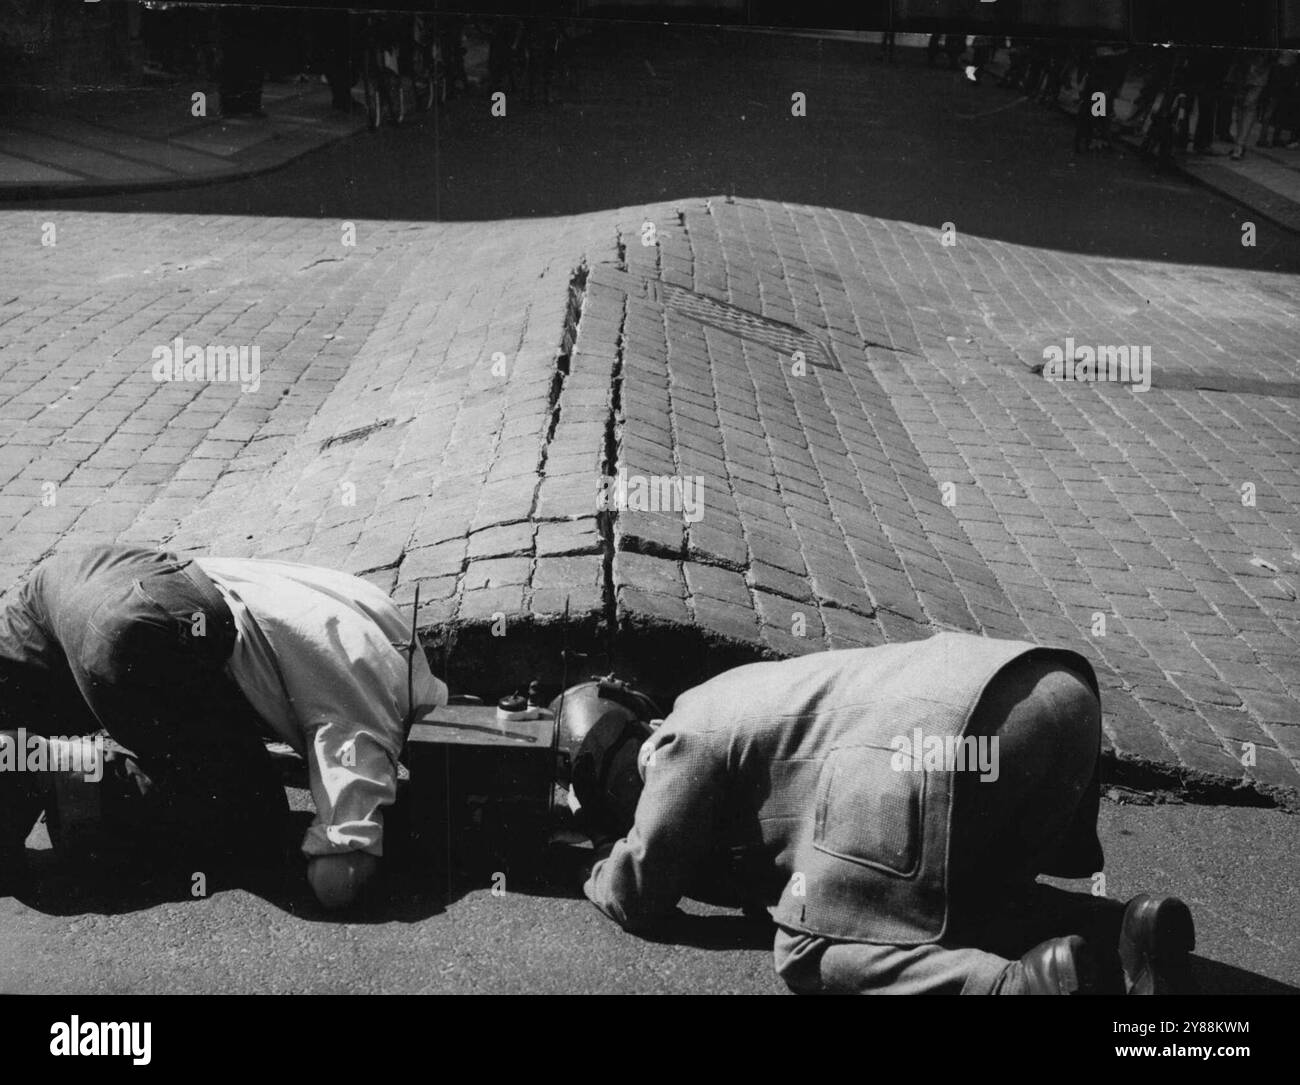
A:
[(1158, 951)]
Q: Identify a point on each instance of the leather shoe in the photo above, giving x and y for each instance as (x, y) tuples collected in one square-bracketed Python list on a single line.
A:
[(1155, 942), (1059, 966)]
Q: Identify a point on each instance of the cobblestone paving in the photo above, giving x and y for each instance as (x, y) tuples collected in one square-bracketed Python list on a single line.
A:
[(826, 520), (942, 482), (439, 403)]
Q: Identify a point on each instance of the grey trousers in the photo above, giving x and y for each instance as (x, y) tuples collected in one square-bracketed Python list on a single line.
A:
[(977, 964), (1048, 724)]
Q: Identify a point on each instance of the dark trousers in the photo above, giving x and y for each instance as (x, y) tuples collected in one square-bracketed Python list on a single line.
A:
[(1205, 78), (1206, 111), (135, 641)]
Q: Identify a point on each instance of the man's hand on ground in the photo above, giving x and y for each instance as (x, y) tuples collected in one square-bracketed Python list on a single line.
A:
[(600, 849), (337, 880)]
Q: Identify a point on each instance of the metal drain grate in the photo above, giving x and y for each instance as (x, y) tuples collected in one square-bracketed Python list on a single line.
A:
[(785, 338), (782, 337)]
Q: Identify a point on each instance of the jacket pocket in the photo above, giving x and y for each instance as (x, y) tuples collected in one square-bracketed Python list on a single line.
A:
[(869, 812)]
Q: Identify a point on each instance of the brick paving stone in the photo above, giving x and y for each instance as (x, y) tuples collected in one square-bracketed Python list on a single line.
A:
[(821, 489), (485, 604), (706, 540), (713, 582), (576, 571), (739, 622), (586, 598), (497, 573), (662, 531), (773, 579), (845, 629), (648, 574), (781, 552), (567, 537), (1274, 768), (635, 605), (441, 560), (504, 540)]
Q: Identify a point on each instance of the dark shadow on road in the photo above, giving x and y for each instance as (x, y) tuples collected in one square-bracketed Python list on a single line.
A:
[(675, 114), (128, 880), (110, 889), (123, 881), (714, 932), (427, 868), (1217, 978), (106, 875)]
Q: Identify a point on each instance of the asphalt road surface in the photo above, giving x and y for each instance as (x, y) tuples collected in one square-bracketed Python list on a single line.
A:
[(103, 930)]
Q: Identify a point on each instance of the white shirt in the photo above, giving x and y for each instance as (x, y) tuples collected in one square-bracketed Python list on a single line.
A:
[(321, 656)]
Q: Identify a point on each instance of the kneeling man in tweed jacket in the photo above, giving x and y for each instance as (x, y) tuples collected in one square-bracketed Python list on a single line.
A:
[(891, 808)]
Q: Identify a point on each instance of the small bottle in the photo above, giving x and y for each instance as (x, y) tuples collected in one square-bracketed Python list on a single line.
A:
[(513, 708)]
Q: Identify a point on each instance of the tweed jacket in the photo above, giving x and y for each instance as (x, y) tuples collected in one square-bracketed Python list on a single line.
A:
[(793, 765)]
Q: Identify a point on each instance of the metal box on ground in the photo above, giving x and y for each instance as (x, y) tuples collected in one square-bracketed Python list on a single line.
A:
[(479, 789)]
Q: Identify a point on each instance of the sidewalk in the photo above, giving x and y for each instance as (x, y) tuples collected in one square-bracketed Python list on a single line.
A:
[(1266, 180), (136, 140)]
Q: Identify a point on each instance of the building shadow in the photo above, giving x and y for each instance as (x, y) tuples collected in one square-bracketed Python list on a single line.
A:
[(658, 114)]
